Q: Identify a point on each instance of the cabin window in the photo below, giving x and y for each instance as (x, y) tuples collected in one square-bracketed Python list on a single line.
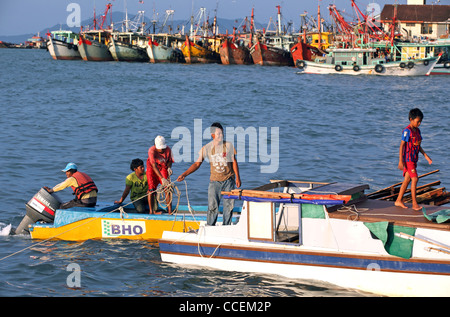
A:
[(274, 222), (427, 28)]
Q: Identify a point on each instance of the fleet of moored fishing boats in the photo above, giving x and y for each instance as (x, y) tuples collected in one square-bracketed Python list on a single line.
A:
[(314, 52)]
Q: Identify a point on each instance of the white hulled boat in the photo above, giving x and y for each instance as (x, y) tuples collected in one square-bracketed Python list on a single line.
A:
[(325, 231), (363, 61), (63, 45)]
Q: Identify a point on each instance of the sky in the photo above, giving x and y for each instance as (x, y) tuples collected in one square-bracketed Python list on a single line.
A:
[(31, 16)]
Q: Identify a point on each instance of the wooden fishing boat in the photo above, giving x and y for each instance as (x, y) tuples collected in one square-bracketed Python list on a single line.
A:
[(362, 61), (305, 51), (429, 49), (63, 45), (271, 49), (348, 240), (93, 46), (128, 47), (43, 220), (269, 55), (161, 53), (194, 53), (230, 53)]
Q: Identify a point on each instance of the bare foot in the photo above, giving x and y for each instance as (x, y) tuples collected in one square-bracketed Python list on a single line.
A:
[(400, 204), (418, 208)]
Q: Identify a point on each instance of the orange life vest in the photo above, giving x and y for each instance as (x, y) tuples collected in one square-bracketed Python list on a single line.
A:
[(85, 184)]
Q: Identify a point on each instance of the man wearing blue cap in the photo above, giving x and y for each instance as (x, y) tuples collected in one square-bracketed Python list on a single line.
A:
[(83, 186)]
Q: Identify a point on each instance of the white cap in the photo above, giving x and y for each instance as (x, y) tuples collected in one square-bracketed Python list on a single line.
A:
[(160, 142)]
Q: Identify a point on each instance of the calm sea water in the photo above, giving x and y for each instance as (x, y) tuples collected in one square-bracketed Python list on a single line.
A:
[(103, 115)]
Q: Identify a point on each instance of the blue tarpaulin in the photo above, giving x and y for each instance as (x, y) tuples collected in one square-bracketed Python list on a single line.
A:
[(287, 200)]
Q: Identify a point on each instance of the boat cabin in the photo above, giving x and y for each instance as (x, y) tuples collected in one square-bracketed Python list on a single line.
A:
[(65, 36), (354, 56), (277, 216), (284, 42), (299, 213)]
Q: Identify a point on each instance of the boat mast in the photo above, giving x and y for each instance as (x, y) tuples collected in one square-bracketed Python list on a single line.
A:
[(95, 19), (319, 27), (126, 16), (250, 44), (191, 31), (279, 20)]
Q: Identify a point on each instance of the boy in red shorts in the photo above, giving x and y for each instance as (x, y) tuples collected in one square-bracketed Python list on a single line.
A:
[(410, 147)]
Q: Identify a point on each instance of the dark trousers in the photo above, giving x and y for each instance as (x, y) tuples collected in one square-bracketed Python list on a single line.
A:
[(89, 202)]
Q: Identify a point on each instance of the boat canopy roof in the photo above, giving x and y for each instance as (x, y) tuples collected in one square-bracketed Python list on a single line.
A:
[(353, 50)]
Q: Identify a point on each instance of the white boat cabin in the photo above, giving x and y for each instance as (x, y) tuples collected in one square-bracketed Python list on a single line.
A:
[(352, 57)]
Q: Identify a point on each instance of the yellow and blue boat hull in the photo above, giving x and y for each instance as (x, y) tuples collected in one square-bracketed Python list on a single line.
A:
[(79, 224)]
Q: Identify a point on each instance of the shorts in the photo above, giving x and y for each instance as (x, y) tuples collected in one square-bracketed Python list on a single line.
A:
[(153, 179), (411, 168)]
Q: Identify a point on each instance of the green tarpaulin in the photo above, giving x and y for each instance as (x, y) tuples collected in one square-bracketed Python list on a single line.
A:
[(439, 216), (392, 244), (313, 211)]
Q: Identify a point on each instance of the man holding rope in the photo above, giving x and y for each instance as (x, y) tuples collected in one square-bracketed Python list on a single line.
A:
[(159, 169), (224, 174)]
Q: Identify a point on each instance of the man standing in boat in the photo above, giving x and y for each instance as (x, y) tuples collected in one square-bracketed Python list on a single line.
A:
[(83, 187), (159, 169), (224, 174)]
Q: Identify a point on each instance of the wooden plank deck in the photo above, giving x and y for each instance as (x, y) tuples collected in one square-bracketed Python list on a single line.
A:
[(372, 210)]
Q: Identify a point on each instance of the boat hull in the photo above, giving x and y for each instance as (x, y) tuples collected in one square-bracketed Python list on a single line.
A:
[(91, 50), (270, 56), (232, 54), (369, 245), (194, 53), (80, 224), (159, 53), (388, 276), (125, 52), (399, 68), (441, 69), (60, 50)]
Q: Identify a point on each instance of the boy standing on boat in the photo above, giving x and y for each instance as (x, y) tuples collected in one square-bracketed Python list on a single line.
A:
[(224, 174), (83, 187), (137, 186), (159, 169), (410, 147)]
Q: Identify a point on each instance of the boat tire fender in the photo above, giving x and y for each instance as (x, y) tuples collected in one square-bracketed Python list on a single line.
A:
[(338, 68), (379, 68), (410, 65), (301, 64), (356, 68), (426, 62), (402, 65), (447, 65)]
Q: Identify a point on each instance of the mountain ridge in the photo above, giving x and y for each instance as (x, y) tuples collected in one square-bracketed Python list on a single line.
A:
[(119, 17)]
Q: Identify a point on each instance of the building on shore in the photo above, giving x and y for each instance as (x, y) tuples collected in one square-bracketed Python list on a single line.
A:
[(417, 20)]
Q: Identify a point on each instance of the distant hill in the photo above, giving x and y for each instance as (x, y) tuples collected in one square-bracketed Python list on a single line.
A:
[(119, 17)]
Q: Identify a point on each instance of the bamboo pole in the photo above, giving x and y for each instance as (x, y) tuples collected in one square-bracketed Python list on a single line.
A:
[(407, 236)]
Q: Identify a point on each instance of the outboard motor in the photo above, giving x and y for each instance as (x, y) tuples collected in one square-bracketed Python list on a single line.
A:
[(41, 207)]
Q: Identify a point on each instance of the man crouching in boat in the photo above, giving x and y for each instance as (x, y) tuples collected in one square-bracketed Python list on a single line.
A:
[(83, 186)]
